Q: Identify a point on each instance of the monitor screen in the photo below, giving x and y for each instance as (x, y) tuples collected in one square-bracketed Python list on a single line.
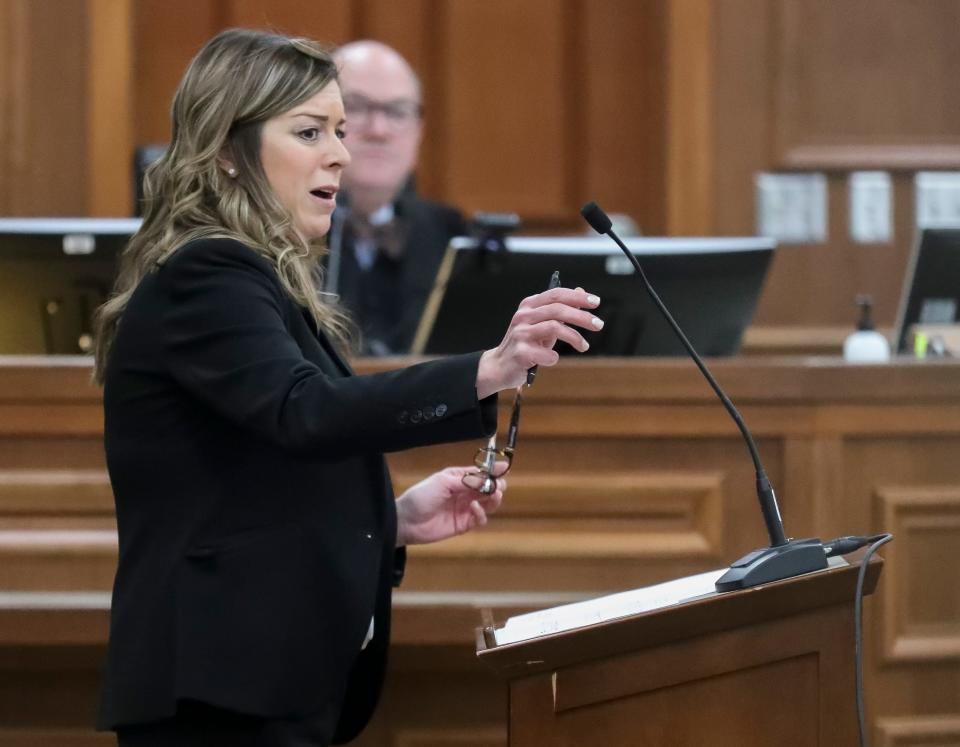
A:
[(54, 273), (931, 290), (710, 285)]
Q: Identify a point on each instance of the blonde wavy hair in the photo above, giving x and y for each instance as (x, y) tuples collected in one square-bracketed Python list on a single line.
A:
[(240, 79)]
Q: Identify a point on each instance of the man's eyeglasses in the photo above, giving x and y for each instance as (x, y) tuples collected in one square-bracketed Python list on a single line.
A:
[(398, 114), (482, 478)]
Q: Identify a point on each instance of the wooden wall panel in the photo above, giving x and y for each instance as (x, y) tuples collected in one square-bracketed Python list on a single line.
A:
[(867, 76), (690, 145), (833, 87), (167, 33), (484, 737), (922, 595), (627, 473), (618, 90), (410, 27), (507, 129), (44, 107), (660, 109), (55, 738), (580, 516), (109, 95), (328, 22)]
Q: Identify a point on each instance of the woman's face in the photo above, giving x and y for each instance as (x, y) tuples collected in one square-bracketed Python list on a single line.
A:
[(303, 157)]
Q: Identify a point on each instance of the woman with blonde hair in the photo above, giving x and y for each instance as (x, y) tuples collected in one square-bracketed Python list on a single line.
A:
[(259, 535)]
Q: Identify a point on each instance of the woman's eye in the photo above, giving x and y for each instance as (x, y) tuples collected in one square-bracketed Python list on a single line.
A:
[(310, 134), (341, 133)]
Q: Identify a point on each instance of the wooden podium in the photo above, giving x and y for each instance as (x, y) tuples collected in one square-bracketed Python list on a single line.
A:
[(752, 668)]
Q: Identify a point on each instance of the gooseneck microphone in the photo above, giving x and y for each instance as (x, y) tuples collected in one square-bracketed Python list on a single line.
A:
[(784, 558)]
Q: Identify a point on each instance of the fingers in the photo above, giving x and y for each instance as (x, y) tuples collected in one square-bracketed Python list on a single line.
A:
[(489, 488), (482, 507), (544, 335), (478, 513), (550, 316), (562, 313), (578, 298), (483, 483), (499, 467)]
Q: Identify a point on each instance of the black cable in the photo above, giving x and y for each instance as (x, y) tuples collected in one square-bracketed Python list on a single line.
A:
[(837, 547)]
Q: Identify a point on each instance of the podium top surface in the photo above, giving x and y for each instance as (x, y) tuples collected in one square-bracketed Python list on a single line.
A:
[(702, 616)]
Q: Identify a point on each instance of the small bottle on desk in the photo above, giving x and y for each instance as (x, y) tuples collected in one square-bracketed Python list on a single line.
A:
[(866, 345)]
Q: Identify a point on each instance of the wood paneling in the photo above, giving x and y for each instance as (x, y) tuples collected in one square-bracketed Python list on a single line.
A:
[(665, 110), (509, 123), (922, 603), (482, 737), (54, 738), (167, 34), (627, 473), (853, 74), (924, 731), (44, 108), (109, 96), (690, 148), (618, 85), (328, 22), (578, 515)]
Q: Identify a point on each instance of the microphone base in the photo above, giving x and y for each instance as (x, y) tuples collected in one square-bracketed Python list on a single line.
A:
[(774, 564)]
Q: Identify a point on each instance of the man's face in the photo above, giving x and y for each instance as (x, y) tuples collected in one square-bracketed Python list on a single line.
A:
[(384, 128)]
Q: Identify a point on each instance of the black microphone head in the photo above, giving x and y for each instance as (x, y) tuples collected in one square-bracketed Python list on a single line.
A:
[(593, 214)]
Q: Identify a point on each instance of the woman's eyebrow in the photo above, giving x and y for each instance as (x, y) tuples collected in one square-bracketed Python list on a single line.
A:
[(320, 117)]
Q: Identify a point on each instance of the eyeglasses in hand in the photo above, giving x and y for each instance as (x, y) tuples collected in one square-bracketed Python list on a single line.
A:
[(482, 479)]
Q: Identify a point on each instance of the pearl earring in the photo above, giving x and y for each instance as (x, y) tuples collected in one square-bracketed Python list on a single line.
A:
[(232, 171)]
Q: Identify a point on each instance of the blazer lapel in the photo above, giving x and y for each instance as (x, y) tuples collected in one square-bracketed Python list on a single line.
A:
[(330, 359)]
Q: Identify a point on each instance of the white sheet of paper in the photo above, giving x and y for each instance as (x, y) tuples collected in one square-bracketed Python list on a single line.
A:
[(613, 606), (602, 609)]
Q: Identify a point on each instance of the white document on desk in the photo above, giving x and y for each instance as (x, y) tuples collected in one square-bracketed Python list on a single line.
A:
[(602, 609)]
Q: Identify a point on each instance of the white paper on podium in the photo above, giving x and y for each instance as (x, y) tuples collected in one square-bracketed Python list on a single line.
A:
[(613, 606), (602, 609)]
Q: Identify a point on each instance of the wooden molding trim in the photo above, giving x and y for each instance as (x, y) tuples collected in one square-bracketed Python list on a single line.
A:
[(452, 737), (58, 737), (907, 731), (56, 492), (842, 157)]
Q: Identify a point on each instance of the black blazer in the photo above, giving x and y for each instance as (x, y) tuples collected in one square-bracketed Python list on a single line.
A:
[(256, 518)]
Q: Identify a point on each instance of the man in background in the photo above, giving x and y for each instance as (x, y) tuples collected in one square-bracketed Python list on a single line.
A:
[(386, 242)]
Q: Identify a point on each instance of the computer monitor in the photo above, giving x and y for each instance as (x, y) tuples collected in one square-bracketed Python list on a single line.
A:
[(54, 273), (710, 285), (931, 289)]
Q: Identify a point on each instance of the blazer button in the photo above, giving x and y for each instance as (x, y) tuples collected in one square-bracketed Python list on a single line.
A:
[(428, 413), (416, 416), (441, 410), (402, 417)]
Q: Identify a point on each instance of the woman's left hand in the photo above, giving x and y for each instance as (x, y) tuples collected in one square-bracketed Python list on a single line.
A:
[(441, 506)]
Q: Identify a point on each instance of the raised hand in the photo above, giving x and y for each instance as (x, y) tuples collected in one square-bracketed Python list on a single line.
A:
[(536, 326)]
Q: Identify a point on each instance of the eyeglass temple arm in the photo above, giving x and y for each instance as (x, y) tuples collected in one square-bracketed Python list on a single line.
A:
[(514, 421)]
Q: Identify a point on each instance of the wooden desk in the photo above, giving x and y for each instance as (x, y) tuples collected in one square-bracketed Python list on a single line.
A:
[(628, 472)]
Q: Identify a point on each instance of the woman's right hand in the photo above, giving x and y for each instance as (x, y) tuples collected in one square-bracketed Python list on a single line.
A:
[(536, 326)]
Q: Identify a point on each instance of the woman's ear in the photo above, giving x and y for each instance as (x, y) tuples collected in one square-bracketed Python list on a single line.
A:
[(226, 164)]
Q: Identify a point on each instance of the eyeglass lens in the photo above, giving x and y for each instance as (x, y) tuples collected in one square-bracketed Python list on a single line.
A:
[(399, 112)]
